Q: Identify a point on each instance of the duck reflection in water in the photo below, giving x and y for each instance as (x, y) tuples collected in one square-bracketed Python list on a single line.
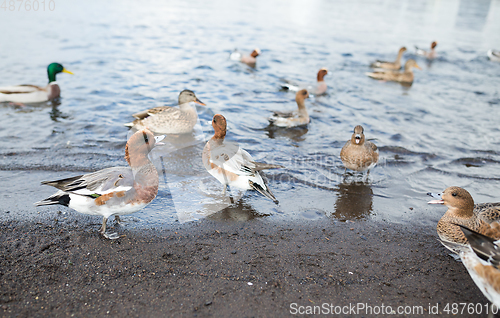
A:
[(354, 201), (240, 211), (296, 133)]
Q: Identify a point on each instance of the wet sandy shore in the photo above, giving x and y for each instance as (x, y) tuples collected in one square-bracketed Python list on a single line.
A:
[(225, 269)]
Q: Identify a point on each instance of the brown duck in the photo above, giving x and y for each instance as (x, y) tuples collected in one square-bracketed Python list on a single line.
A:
[(482, 218)]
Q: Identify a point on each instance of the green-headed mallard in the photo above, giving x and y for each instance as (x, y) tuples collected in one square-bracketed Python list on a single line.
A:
[(32, 93)]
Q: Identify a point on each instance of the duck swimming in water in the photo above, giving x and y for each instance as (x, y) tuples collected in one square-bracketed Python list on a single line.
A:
[(170, 120), (34, 94)]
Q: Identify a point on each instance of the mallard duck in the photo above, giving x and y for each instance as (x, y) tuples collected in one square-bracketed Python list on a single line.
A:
[(170, 120), (494, 55), (249, 60), (396, 65), (429, 55), (317, 88), (296, 118), (232, 165), (112, 191), (483, 218), (401, 77), (359, 154), (481, 258), (34, 94)]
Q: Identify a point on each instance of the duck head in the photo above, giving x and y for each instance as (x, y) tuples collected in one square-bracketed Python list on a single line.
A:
[(358, 138), (301, 96), (55, 68), (255, 52), (139, 145), (458, 200), (220, 125), (322, 73), (411, 64), (187, 96), (434, 44)]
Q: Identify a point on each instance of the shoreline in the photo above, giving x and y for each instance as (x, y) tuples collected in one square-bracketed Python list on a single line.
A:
[(226, 269)]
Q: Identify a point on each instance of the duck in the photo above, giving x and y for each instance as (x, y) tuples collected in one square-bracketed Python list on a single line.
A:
[(249, 60), (296, 118), (494, 55), (112, 191), (233, 166), (35, 94), (405, 77), (481, 258), (317, 88), (359, 154), (396, 65), (482, 218), (429, 55), (169, 120)]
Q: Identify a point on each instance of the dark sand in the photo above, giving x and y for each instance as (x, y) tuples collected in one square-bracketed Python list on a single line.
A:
[(203, 269)]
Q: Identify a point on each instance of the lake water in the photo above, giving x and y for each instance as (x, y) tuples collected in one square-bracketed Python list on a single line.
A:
[(129, 56)]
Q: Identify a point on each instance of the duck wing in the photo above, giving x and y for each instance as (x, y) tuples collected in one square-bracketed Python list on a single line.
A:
[(20, 89), (151, 111), (97, 183)]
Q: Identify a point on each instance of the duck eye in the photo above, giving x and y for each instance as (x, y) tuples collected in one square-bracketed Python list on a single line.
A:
[(454, 194), (146, 138)]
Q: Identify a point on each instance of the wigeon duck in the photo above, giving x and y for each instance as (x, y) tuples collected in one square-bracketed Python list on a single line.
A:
[(32, 93), (494, 55), (249, 60), (482, 218), (359, 154), (396, 65), (429, 55), (296, 118), (405, 77), (233, 166), (170, 120), (112, 191), (482, 260), (318, 88)]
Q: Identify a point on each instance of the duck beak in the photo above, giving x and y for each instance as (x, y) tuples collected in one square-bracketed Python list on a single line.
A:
[(66, 71), (416, 65), (158, 139), (358, 138), (437, 196), (197, 101)]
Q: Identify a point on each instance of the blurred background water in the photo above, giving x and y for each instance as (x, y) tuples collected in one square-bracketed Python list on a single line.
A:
[(128, 56)]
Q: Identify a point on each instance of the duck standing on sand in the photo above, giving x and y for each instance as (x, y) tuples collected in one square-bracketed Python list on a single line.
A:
[(296, 118), (233, 166), (481, 258), (34, 94), (249, 60), (482, 218), (396, 65), (112, 191), (318, 88), (405, 77), (359, 154), (429, 55), (170, 120)]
